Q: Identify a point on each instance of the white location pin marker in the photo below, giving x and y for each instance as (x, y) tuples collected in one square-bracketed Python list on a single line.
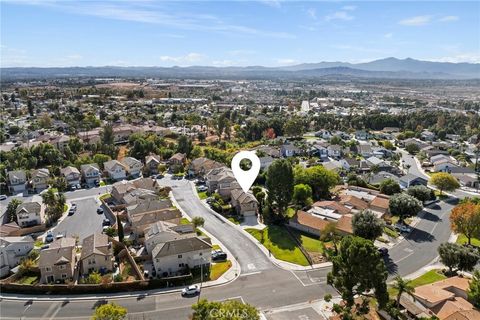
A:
[(245, 177)]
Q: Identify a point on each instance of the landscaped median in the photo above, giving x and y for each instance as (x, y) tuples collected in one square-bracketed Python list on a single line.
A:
[(280, 244)]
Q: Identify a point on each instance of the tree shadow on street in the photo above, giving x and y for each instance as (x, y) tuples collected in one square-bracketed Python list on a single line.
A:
[(418, 235)]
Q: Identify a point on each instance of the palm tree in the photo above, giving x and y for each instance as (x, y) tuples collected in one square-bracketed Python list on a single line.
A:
[(402, 286), (49, 197)]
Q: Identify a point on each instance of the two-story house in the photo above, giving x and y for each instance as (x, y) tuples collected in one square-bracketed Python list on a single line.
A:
[(12, 251), (115, 170), (133, 166), (244, 203), (57, 263), (91, 174), (71, 174), (39, 179), (151, 163), (17, 181), (30, 214), (97, 254), (200, 166)]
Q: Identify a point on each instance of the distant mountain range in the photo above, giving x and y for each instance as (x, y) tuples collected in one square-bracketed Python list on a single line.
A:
[(388, 68)]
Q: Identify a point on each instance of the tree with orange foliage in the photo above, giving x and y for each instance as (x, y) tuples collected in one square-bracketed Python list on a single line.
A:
[(465, 218), (269, 133)]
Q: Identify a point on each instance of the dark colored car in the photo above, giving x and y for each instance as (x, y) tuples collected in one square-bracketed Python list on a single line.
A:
[(106, 223), (383, 251), (100, 211), (219, 256)]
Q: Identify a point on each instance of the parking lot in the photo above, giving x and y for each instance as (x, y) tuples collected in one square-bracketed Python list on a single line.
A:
[(84, 221)]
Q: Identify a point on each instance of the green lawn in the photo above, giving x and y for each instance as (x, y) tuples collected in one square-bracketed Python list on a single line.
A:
[(310, 243), (390, 232), (184, 221), (219, 268), (202, 195), (65, 208), (462, 240), (277, 240), (426, 278), (216, 247), (28, 280)]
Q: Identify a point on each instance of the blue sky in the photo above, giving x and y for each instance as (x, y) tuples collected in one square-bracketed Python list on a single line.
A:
[(235, 33)]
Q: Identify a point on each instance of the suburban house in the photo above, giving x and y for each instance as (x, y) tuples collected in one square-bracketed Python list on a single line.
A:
[(308, 223), (39, 179), (361, 135), (244, 203), (381, 176), (151, 163), (364, 149), (71, 174), (443, 165), (171, 257), (30, 214), (161, 232), (143, 214), (12, 251), (289, 150), (17, 181), (221, 179), (200, 166), (133, 166), (115, 169), (177, 160), (446, 299), (130, 192), (335, 151), (410, 179), (57, 263), (97, 254), (91, 174), (265, 162)]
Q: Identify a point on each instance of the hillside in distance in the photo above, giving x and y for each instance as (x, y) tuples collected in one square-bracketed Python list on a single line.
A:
[(388, 68)]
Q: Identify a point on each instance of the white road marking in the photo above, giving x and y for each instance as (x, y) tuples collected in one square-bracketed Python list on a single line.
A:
[(250, 273), (251, 266)]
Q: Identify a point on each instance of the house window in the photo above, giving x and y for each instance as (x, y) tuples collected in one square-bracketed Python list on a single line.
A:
[(179, 256), (201, 253), (48, 269), (64, 275), (62, 267), (181, 265)]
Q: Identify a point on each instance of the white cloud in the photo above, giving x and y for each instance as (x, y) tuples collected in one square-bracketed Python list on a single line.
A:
[(349, 8), (312, 13), (189, 58), (448, 18), (339, 15), (388, 35), (459, 57), (286, 61), (416, 21)]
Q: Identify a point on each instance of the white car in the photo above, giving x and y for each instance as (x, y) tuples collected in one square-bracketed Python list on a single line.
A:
[(190, 290)]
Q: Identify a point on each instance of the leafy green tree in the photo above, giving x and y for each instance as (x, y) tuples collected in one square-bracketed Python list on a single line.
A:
[(444, 181), (11, 211), (355, 180), (318, 178), (100, 158), (93, 278), (474, 289), (110, 311), (457, 257), (389, 187), (294, 127), (366, 225), (49, 197), (224, 310), (198, 221), (402, 286), (388, 145), (185, 145), (421, 192), (404, 205), (31, 108), (357, 268), (280, 185), (330, 233), (412, 148), (302, 195)]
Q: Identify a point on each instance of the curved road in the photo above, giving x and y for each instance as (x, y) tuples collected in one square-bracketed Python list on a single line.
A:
[(261, 283)]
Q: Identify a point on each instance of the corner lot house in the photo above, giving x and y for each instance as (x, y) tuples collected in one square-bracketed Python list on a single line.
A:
[(115, 170), (91, 173), (97, 254), (30, 214), (57, 263), (71, 174), (133, 166), (12, 251), (16, 181), (39, 179), (245, 203)]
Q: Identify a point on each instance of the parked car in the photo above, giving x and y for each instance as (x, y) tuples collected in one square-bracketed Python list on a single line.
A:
[(106, 222), (190, 290), (403, 228), (210, 200), (49, 237), (72, 209), (202, 188), (3, 197), (383, 251), (219, 256), (59, 236), (99, 210), (97, 184)]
